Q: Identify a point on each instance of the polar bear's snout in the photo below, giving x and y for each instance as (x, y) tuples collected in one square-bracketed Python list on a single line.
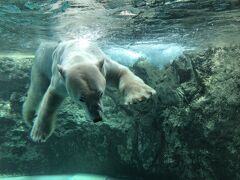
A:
[(95, 112)]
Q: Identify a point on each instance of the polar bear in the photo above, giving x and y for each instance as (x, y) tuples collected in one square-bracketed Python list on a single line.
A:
[(78, 69)]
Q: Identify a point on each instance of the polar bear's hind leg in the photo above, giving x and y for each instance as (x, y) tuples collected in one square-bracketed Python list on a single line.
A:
[(44, 122), (37, 89)]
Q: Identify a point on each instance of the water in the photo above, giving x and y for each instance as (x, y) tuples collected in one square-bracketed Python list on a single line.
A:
[(25, 24), (63, 177), (188, 50)]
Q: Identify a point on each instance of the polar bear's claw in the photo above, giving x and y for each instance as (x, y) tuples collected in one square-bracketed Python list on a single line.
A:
[(39, 133), (139, 95)]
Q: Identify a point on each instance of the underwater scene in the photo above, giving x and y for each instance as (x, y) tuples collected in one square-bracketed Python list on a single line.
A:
[(120, 89)]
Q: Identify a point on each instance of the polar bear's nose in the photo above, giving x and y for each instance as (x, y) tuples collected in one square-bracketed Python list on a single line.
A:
[(95, 111), (97, 119)]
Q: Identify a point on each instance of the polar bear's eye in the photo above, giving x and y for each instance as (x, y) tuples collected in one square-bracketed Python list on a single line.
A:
[(100, 94), (81, 99)]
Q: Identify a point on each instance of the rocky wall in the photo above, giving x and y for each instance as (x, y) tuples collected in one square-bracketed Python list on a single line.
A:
[(189, 130)]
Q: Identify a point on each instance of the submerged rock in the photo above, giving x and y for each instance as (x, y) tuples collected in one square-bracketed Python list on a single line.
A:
[(189, 130)]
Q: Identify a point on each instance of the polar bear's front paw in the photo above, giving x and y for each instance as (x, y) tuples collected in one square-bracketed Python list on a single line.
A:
[(40, 131), (138, 93)]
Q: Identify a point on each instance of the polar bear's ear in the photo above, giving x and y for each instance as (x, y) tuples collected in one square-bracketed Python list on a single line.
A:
[(100, 64), (61, 70)]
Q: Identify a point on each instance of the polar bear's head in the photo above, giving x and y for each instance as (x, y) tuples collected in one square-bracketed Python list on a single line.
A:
[(85, 84)]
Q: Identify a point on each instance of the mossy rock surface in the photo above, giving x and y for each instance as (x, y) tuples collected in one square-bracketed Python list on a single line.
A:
[(189, 130)]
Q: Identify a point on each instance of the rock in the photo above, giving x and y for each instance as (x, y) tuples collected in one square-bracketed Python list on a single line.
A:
[(193, 121), (14, 75)]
